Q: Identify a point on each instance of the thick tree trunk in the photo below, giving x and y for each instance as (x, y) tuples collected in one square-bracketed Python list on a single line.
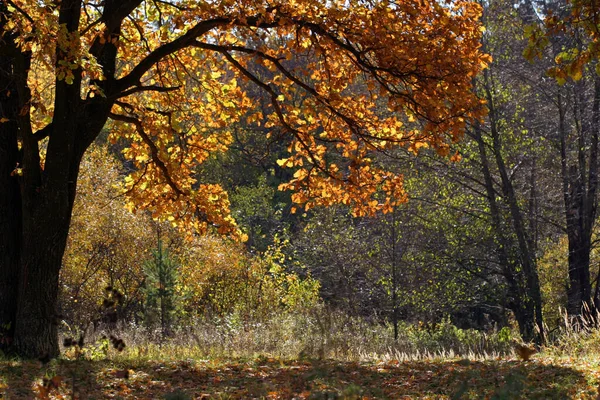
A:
[(35, 201), (45, 233), (10, 205), (9, 246), (47, 202), (579, 291)]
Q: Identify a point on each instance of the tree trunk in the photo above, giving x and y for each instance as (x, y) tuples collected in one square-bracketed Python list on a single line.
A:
[(36, 200), (580, 199), (10, 204), (525, 320), (45, 231), (395, 283), (579, 291), (518, 300), (531, 298)]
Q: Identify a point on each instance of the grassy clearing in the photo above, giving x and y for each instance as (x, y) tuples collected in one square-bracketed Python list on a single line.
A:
[(324, 357)]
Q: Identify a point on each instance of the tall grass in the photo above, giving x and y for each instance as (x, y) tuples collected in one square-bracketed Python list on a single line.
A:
[(316, 334), (576, 337)]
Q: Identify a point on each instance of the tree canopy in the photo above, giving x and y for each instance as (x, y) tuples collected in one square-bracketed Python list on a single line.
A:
[(169, 71)]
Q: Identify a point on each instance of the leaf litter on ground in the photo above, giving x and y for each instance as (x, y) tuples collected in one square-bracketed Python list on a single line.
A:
[(273, 378)]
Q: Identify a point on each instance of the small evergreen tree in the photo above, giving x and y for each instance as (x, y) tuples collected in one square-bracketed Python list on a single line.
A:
[(161, 278)]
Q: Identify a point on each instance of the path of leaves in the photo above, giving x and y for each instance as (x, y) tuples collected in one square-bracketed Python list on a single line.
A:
[(276, 379)]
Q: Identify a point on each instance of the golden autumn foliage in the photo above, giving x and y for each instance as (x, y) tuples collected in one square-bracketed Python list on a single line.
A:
[(109, 246), (344, 80)]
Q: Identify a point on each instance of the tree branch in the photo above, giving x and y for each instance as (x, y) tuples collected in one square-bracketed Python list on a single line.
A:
[(158, 54), (153, 149), (153, 88), (43, 133), (22, 12)]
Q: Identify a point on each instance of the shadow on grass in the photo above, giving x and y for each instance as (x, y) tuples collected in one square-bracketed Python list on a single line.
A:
[(31, 379), (270, 378)]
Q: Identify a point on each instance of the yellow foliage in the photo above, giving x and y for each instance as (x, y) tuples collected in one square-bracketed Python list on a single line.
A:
[(553, 269), (220, 277), (107, 244)]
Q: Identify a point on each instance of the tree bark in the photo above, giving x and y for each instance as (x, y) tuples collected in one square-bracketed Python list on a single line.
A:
[(10, 202), (36, 332)]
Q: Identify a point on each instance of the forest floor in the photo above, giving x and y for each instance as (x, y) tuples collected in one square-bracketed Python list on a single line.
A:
[(544, 377)]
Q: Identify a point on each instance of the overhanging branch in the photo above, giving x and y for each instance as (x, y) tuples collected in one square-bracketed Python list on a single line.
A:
[(153, 149)]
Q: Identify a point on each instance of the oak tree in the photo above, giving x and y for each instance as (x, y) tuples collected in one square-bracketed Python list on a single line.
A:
[(166, 74)]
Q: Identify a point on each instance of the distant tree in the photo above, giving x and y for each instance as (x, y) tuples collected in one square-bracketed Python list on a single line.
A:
[(338, 253), (256, 211)]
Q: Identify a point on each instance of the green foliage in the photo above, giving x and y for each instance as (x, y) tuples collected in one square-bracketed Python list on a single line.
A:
[(160, 284), (256, 211), (444, 336), (97, 351), (505, 335), (293, 292), (554, 279)]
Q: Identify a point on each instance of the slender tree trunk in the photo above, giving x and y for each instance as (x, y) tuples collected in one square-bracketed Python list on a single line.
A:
[(395, 283), (526, 256), (518, 301)]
